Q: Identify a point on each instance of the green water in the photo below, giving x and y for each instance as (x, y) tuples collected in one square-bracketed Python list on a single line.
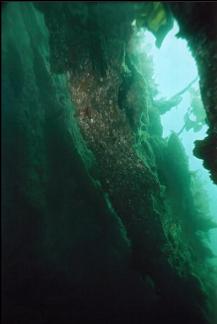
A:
[(93, 225), (174, 68)]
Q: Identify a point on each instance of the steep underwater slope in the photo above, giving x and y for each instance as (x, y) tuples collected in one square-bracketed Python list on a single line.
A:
[(56, 221), (93, 224)]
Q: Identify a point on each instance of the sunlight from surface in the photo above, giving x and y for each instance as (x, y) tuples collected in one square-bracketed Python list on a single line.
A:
[(174, 69)]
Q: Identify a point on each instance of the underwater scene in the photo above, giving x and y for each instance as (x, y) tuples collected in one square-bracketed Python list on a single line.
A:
[(109, 162)]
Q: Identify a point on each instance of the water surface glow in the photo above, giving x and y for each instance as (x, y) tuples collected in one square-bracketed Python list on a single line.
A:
[(175, 68)]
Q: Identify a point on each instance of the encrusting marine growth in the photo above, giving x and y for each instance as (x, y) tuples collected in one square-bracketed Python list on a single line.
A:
[(102, 219)]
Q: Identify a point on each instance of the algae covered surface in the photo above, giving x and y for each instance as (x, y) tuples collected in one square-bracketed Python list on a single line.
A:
[(103, 215)]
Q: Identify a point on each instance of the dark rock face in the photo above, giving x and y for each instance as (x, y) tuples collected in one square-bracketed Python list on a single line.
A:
[(93, 224), (198, 25)]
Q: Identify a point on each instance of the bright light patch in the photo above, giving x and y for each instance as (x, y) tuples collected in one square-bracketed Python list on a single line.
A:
[(174, 69)]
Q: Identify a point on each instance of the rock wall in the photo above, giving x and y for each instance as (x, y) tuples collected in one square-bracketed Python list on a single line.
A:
[(93, 224), (198, 25)]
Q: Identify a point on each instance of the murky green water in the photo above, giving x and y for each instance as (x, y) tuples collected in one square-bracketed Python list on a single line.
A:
[(102, 219)]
